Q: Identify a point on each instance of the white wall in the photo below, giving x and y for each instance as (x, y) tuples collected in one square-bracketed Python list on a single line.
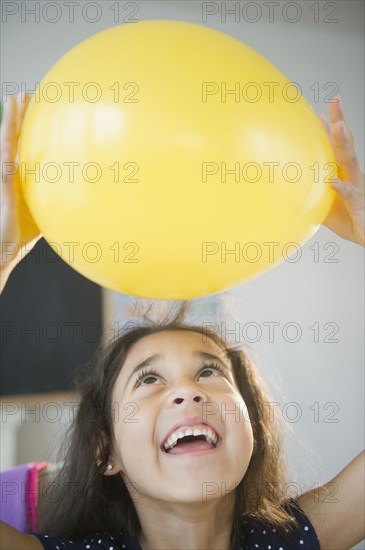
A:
[(305, 292)]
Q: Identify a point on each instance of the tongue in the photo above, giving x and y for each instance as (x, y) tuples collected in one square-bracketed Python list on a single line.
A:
[(190, 447)]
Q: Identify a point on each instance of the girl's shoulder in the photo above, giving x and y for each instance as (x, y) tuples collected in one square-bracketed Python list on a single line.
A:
[(261, 535)]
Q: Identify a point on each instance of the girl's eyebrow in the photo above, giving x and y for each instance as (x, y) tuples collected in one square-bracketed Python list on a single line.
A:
[(211, 356), (144, 363), (157, 356)]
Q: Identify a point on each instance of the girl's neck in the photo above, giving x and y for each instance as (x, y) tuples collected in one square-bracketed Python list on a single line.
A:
[(176, 526)]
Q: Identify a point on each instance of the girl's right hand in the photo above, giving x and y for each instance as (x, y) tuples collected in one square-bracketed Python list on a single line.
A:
[(19, 233), (346, 217)]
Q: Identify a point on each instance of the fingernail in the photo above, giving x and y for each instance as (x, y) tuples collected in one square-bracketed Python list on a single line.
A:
[(340, 101)]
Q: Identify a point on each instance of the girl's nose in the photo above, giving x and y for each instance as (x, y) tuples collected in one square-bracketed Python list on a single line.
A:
[(188, 393), (197, 398)]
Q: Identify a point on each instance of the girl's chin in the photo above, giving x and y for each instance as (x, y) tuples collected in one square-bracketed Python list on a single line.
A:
[(189, 487)]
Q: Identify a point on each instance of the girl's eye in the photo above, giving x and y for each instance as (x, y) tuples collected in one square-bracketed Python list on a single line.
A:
[(146, 374), (150, 374), (215, 367)]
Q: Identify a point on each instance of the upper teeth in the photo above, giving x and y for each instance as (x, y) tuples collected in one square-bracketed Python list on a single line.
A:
[(184, 431)]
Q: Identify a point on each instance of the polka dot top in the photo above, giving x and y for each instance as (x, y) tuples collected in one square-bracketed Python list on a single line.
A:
[(261, 536)]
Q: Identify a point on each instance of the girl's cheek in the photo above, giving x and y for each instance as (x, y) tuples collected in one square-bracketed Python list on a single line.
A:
[(136, 430), (236, 419), (232, 408), (130, 447)]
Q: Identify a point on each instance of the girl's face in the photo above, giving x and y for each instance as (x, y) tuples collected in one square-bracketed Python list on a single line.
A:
[(186, 385)]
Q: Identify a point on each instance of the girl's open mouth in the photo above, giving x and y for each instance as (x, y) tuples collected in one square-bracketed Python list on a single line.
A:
[(192, 444)]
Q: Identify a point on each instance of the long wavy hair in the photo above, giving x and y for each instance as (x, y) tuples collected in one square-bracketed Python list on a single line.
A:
[(85, 501)]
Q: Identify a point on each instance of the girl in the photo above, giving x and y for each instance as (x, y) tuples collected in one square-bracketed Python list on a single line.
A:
[(157, 460)]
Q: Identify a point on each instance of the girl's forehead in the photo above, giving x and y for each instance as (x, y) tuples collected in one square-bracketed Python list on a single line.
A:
[(171, 341)]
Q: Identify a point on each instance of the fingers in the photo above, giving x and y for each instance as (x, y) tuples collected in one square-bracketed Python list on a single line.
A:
[(326, 127), (349, 193), (345, 148), (14, 110), (328, 130), (344, 145), (9, 128), (23, 102), (336, 115), (13, 114), (8, 148)]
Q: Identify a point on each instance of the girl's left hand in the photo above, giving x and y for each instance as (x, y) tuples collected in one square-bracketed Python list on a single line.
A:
[(346, 217)]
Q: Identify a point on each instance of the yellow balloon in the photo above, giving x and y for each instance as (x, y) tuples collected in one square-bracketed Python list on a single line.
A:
[(168, 160)]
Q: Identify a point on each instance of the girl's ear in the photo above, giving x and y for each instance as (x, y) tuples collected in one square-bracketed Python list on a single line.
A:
[(111, 468), (107, 463)]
